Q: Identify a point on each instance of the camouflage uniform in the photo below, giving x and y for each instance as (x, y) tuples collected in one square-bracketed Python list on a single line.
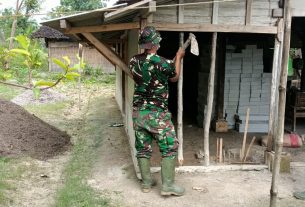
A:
[(151, 117)]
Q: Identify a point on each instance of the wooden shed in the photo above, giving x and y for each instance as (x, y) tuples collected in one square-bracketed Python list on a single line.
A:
[(60, 45), (246, 37)]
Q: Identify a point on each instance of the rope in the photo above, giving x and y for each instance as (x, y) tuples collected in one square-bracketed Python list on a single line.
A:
[(105, 10)]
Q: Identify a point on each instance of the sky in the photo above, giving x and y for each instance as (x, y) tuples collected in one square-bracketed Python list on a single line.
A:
[(45, 7)]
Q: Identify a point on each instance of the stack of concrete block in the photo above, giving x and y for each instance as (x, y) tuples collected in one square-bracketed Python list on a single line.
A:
[(252, 87), (232, 86)]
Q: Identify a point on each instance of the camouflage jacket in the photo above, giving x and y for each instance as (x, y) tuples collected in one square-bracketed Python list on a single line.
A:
[(151, 73)]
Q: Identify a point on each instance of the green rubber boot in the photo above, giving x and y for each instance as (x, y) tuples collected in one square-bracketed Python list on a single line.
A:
[(147, 181), (168, 178)]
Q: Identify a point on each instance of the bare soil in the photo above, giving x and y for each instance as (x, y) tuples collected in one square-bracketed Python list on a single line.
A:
[(22, 133), (114, 173)]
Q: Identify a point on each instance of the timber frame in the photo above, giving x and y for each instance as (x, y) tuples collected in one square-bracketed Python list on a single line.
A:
[(144, 12)]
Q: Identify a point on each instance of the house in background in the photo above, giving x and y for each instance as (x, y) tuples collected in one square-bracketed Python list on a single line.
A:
[(248, 58), (60, 45)]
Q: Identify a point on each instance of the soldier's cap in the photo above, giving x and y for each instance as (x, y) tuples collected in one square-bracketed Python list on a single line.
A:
[(149, 37)]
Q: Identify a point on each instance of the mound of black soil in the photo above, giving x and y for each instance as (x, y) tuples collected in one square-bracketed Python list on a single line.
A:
[(22, 133)]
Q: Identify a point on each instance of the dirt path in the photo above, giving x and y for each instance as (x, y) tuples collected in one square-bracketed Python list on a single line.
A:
[(38, 180), (114, 173)]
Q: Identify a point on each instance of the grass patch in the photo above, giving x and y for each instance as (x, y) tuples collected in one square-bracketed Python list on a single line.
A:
[(7, 172), (75, 191), (51, 108), (103, 79), (9, 92)]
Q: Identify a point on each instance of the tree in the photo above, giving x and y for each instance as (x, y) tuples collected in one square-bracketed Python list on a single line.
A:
[(76, 5), (27, 6)]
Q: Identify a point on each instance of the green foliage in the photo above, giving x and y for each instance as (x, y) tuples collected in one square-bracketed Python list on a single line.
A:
[(76, 5), (25, 24), (32, 54), (4, 55), (96, 75)]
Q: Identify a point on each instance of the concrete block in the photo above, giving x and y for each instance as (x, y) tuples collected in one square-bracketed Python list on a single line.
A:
[(245, 76), (237, 55), (267, 75), (255, 100), (229, 71), (251, 46), (230, 75)]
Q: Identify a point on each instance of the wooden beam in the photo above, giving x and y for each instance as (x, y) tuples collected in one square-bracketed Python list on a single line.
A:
[(214, 168), (214, 28), (210, 98), (152, 7), (215, 12), (107, 52), (64, 24), (248, 12), (298, 12), (103, 28), (277, 13), (282, 105), (125, 10)]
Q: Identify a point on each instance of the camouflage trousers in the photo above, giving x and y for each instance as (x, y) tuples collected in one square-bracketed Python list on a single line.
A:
[(149, 125)]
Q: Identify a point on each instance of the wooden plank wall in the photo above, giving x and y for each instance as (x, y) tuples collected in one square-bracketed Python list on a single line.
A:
[(233, 13), (91, 56)]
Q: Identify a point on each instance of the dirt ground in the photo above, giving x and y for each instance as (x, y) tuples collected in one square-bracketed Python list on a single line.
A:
[(22, 133), (113, 173)]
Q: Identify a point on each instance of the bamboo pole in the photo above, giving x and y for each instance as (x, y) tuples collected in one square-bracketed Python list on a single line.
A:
[(274, 85), (81, 56), (208, 115), (245, 135), (282, 104), (220, 150), (180, 94), (248, 150)]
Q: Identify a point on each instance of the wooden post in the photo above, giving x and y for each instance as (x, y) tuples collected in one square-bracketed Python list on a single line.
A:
[(180, 92), (81, 56), (245, 135), (248, 150), (282, 104), (248, 11), (220, 150), (208, 115), (274, 84)]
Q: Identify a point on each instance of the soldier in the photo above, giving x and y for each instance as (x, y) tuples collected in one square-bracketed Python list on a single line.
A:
[(151, 117)]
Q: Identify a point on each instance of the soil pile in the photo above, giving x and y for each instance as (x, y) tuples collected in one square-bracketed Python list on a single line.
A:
[(22, 133)]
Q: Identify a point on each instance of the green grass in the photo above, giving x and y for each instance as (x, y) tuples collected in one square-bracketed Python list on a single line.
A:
[(103, 79), (8, 92), (7, 172), (75, 191), (50, 109)]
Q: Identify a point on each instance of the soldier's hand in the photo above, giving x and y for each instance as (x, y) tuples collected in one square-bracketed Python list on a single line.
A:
[(180, 53)]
